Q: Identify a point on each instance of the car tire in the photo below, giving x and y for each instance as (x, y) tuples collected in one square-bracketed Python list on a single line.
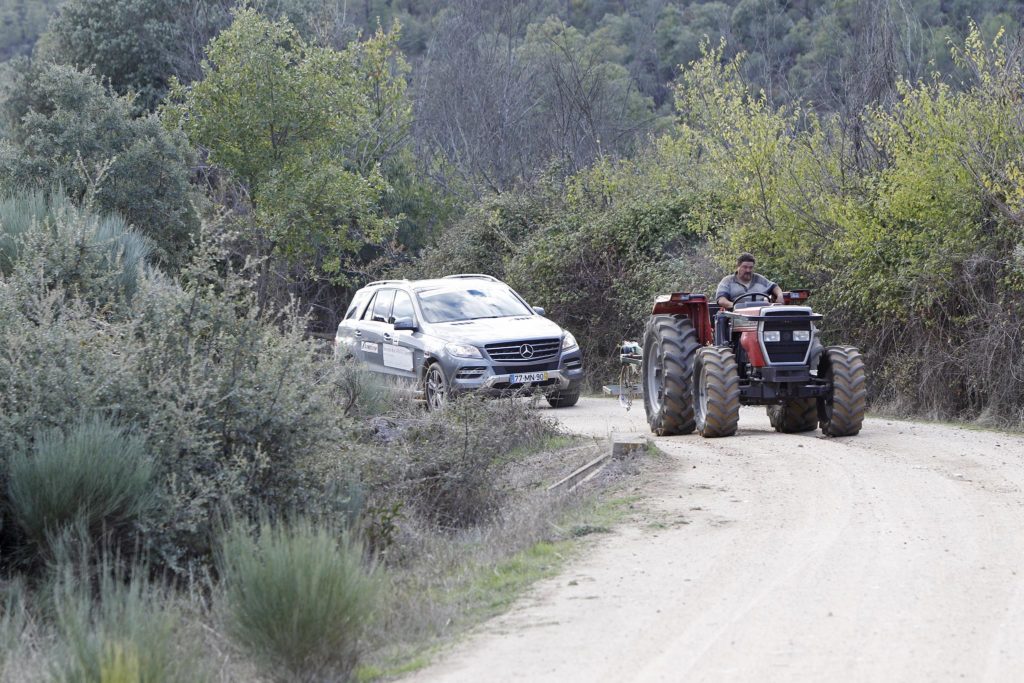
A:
[(563, 399), (435, 387)]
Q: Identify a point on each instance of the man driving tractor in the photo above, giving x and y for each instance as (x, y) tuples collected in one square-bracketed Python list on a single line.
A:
[(746, 281)]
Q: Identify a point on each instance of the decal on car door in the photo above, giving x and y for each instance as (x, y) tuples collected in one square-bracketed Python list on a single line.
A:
[(397, 357)]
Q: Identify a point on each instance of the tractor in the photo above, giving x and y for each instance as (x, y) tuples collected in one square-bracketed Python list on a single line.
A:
[(696, 373)]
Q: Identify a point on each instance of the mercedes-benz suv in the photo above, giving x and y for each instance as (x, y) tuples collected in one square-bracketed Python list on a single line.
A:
[(457, 334)]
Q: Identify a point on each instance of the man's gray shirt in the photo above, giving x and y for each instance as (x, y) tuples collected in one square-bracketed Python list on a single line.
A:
[(730, 287)]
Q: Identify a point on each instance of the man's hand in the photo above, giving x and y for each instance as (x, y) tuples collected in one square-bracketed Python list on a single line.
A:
[(725, 303)]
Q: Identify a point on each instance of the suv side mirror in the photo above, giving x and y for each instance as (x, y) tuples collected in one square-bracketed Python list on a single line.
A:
[(538, 310), (404, 324)]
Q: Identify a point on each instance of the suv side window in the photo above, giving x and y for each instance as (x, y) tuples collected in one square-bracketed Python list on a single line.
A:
[(382, 305), (358, 301), (403, 307), (368, 311)]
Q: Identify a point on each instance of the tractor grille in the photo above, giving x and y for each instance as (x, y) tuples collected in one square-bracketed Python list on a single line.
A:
[(786, 350), (529, 350)]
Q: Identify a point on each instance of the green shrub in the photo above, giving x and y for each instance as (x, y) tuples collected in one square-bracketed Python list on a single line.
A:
[(96, 476), (115, 625), (234, 404), (66, 128), (447, 465), (17, 216), (96, 255), (297, 598), (13, 623)]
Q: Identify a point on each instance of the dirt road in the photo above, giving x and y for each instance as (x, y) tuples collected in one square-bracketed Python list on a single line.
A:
[(897, 554)]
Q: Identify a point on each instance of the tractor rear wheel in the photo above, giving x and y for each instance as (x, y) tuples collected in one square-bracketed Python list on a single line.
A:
[(842, 413), (716, 392), (670, 344), (798, 415)]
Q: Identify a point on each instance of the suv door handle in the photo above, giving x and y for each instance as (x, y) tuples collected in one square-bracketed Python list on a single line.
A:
[(388, 337)]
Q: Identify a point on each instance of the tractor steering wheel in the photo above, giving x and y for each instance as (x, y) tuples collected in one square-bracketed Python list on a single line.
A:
[(751, 296)]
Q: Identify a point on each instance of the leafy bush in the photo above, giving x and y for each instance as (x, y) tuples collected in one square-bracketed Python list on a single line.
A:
[(95, 476), (17, 215), (67, 129), (446, 466), (297, 598), (234, 405), (96, 255)]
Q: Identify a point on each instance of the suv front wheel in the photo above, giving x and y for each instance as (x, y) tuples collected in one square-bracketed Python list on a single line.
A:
[(435, 387), (563, 399)]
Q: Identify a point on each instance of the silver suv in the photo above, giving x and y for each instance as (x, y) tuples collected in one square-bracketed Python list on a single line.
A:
[(460, 333)]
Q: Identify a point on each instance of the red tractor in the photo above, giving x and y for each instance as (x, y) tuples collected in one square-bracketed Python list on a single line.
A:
[(695, 375)]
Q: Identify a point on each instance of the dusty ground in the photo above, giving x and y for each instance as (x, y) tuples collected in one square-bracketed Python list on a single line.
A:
[(897, 554)]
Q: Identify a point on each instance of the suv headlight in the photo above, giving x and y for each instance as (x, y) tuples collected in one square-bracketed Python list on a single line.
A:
[(462, 350), (568, 341)]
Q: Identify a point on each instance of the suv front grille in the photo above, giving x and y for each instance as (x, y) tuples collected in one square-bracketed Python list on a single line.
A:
[(530, 350), (532, 367), (786, 350)]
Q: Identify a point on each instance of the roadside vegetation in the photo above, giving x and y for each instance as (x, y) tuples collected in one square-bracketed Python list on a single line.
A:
[(191, 486), (184, 473)]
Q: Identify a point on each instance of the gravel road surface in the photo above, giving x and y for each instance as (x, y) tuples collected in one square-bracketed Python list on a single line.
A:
[(894, 555)]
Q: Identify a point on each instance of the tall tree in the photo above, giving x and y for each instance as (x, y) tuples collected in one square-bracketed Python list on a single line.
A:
[(303, 128)]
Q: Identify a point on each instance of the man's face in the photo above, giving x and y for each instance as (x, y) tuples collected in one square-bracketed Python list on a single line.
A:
[(745, 271)]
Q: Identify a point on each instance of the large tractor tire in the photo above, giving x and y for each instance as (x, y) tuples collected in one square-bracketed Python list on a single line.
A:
[(798, 415), (842, 413), (670, 344), (716, 392)]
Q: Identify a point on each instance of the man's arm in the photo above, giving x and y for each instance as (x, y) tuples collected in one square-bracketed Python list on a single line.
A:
[(722, 293), (777, 294)]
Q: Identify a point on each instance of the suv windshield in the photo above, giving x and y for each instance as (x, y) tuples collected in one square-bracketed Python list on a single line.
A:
[(466, 303)]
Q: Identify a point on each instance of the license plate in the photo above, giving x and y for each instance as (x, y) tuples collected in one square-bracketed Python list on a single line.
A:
[(522, 377)]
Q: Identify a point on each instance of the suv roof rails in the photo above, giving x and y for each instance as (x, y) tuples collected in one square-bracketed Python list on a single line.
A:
[(385, 282), (471, 276)]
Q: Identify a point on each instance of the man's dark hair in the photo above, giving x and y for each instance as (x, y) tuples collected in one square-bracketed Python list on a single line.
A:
[(746, 257)]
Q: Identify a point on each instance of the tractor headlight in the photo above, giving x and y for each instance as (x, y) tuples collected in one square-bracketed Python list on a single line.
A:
[(772, 336), (801, 335)]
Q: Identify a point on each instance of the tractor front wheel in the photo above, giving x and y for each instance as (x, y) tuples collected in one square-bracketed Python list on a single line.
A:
[(842, 413), (716, 392), (670, 344)]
